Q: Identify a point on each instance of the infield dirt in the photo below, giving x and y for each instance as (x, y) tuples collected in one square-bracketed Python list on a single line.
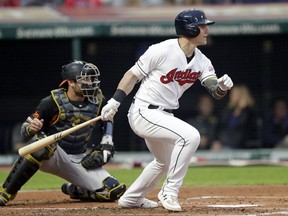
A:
[(212, 200)]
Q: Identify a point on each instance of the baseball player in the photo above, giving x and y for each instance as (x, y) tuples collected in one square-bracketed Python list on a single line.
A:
[(78, 99), (166, 70)]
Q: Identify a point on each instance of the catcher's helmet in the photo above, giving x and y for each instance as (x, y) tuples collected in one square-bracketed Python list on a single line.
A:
[(85, 74), (187, 22)]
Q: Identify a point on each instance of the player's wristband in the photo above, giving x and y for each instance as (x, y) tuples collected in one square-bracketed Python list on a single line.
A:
[(26, 131), (119, 95), (219, 93)]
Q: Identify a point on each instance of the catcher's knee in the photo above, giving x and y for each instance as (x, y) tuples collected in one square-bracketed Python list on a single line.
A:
[(111, 190), (41, 155)]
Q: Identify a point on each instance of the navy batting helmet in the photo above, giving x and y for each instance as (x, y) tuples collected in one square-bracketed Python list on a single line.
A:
[(187, 22)]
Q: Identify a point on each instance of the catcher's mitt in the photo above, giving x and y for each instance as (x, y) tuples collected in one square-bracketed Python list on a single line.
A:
[(95, 159)]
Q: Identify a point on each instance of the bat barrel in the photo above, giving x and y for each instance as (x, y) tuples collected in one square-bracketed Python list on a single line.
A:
[(35, 146)]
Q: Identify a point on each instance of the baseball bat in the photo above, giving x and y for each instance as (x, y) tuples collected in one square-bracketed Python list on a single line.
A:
[(35, 146)]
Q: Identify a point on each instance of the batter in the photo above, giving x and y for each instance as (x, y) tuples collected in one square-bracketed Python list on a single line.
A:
[(166, 70)]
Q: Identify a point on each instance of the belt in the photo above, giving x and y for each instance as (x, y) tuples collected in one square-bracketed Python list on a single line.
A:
[(151, 106)]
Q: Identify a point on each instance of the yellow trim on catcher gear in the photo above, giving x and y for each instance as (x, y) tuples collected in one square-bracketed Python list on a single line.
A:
[(30, 158)]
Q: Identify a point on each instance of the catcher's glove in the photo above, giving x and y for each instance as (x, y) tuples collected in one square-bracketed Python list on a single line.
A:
[(95, 159)]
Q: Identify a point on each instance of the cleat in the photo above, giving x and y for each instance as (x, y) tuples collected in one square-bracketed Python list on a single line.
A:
[(69, 190), (169, 202), (3, 198), (2, 202), (145, 204), (64, 188)]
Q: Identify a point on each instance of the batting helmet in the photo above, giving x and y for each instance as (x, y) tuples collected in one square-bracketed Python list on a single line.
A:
[(187, 22), (86, 75)]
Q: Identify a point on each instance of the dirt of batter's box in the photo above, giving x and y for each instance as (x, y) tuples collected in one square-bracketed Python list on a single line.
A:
[(202, 200)]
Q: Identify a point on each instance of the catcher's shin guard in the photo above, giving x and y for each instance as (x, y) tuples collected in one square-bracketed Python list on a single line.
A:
[(111, 191), (21, 172)]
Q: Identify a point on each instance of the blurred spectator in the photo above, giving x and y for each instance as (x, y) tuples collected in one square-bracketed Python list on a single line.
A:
[(9, 3), (205, 121), (55, 3), (238, 126), (276, 126), (83, 3)]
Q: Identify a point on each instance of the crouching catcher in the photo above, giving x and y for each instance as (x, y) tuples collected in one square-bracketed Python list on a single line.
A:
[(73, 158)]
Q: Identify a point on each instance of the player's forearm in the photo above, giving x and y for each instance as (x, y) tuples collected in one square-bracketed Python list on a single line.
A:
[(128, 82), (212, 86), (125, 86), (26, 131)]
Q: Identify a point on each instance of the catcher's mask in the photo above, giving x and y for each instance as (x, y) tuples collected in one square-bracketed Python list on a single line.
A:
[(86, 75)]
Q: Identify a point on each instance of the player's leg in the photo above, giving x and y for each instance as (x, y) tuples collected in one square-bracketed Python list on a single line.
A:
[(185, 140), (93, 185), (147, 180), (154, 171), (23, 169), (171, 141), (112, 190)]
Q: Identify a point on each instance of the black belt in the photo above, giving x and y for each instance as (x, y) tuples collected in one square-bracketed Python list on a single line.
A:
[(151, 106)]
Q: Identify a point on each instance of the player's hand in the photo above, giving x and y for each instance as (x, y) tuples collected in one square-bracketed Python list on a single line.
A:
[(107, 147), (35, 125), (225, 83), (109, 110)]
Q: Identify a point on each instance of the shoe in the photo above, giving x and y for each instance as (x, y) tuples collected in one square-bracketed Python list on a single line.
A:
[(145, 204), (70, 190), (3, 199), (169, 202)]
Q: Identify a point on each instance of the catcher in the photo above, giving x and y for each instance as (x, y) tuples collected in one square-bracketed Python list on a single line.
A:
[(78, 99)]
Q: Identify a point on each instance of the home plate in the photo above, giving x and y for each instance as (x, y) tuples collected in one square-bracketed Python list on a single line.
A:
[(232, 206)]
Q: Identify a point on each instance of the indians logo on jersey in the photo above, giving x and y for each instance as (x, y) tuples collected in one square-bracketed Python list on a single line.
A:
[(182, 77)]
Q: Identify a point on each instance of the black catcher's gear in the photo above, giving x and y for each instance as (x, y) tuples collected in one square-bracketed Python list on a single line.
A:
[(86, 75), (187, 22), (95, 159), (112, 190), (22, 170)]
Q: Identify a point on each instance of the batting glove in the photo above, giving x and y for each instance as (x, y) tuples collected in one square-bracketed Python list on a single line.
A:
[(107, 147), (225, 83), (109, 110)]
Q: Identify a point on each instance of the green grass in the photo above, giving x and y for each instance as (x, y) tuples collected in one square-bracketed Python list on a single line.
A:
[(196, 176)]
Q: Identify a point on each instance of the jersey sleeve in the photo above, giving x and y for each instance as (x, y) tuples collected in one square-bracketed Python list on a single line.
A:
[(146, 63), (208, 70), (46, 110)]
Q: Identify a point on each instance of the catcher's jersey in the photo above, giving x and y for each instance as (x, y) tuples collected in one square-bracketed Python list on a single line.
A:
[(166, 75)]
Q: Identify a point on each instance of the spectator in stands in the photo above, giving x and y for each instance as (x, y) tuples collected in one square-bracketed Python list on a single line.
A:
[(276, 126), (28, 3), (238, 126), (83, 3), (9, 3), (205, 121)]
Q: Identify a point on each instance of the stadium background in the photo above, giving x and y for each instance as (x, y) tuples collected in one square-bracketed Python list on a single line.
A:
[(249, 42)]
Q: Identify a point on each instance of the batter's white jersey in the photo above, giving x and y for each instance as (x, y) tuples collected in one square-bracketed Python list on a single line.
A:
[(165, 73)]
